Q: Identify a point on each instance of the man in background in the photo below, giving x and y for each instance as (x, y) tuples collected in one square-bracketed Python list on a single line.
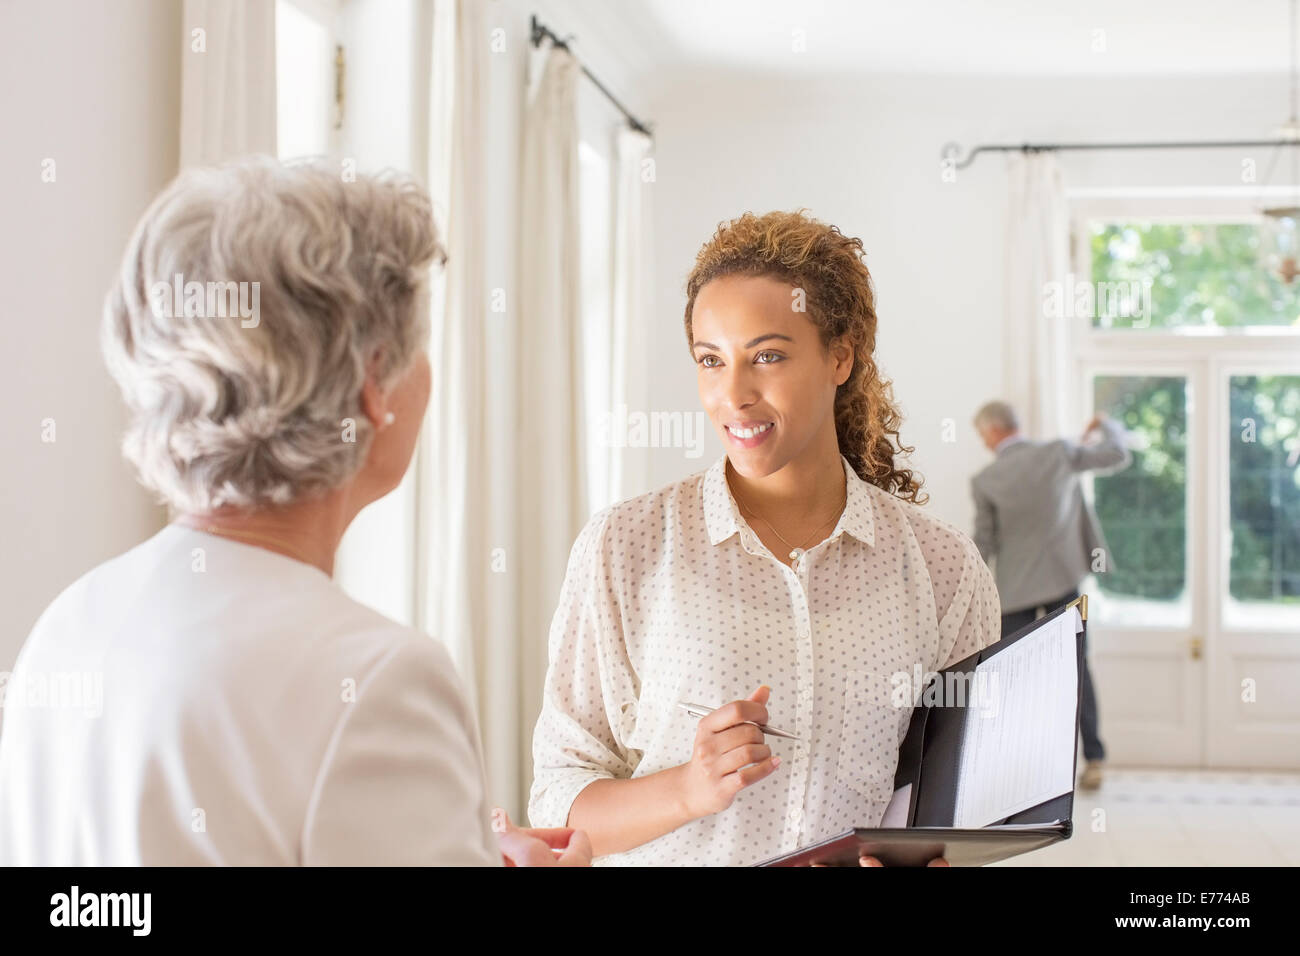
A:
[(1036, 531)]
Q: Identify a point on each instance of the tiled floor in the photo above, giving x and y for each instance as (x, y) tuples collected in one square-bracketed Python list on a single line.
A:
[(1181, 818)]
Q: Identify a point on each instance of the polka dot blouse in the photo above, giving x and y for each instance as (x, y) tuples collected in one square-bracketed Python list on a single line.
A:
[(671, 596)]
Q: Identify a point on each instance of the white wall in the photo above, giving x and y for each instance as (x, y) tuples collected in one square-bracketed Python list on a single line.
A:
[(96, 88), (864, 154), (861, 153)]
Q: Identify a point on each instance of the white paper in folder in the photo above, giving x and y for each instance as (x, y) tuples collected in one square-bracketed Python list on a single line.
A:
[(1018, 746)]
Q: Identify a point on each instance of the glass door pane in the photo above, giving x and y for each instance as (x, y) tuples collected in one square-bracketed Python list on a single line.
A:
[(1263, 581), (1142, 509)]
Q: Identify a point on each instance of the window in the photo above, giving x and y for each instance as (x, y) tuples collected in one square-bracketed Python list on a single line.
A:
[(304, 83), (1203, 529), (1143, 508), (1185, 275), (1263, 452), (596, 240), (597, 167)]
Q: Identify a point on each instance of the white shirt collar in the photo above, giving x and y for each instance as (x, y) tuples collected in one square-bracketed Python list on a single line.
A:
[(722, 516)]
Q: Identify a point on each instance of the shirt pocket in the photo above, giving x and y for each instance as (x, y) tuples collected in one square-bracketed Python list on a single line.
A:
[(868, 751)]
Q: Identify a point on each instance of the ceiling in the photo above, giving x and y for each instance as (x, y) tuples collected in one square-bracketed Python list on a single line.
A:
[(1041, 37)]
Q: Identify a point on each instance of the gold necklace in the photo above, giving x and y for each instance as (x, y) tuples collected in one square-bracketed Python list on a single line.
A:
[(213, 529), (796, 551)]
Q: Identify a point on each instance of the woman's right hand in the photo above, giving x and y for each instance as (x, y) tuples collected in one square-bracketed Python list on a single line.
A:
[(729, 755)]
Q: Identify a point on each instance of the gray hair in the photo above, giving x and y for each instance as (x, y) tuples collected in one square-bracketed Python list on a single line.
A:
[(259, 406), (997, 415)]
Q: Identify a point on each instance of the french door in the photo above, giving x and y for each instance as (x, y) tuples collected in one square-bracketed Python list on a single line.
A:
[(1194, 627)]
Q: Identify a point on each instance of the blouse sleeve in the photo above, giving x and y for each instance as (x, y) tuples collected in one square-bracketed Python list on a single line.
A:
[(591, 689), (403, 782), (973, 619)]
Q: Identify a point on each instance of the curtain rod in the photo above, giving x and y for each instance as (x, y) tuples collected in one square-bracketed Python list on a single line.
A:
[(541, 32), (950, 150)]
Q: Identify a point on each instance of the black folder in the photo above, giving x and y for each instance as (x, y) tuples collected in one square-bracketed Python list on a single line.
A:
[(928, 759)]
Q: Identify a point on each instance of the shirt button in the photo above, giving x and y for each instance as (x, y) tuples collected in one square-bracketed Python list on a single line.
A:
[(796, 816)]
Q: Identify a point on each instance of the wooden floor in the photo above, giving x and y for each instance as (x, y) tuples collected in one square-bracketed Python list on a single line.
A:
[(1181, 818)]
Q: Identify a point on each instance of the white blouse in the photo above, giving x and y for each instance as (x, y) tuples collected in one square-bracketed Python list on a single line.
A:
[(671, 597), (198, 700)]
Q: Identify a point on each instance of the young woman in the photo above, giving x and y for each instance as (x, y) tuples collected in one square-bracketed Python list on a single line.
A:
[(799, 564)]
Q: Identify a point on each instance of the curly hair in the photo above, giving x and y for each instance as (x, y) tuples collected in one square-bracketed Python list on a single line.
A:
[(841, 301)]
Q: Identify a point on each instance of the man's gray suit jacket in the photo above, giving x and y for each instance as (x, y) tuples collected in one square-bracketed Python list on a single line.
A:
[(1032, 524)]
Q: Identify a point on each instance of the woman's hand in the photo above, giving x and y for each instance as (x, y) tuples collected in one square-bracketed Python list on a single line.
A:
[(872, 861), (525, 846), (729, 755)]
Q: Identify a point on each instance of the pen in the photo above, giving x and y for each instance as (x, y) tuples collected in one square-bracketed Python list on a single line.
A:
[(699, 710)]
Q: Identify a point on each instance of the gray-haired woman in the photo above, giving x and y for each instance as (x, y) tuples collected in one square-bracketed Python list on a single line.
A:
[(268, 331)]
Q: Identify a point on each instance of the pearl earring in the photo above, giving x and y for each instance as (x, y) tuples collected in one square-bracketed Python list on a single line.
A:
[(389, 418)]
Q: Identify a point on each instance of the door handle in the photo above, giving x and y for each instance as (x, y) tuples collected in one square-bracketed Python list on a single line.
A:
[(1196, 646)]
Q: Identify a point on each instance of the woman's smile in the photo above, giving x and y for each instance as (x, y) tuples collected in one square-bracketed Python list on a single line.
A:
[(749, 434)]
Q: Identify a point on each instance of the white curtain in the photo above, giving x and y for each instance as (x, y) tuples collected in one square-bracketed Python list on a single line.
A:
[(502, 476), (1035, 343), (549, 439), (227, 80), (450, 521), (629, 468), (464, 483)]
